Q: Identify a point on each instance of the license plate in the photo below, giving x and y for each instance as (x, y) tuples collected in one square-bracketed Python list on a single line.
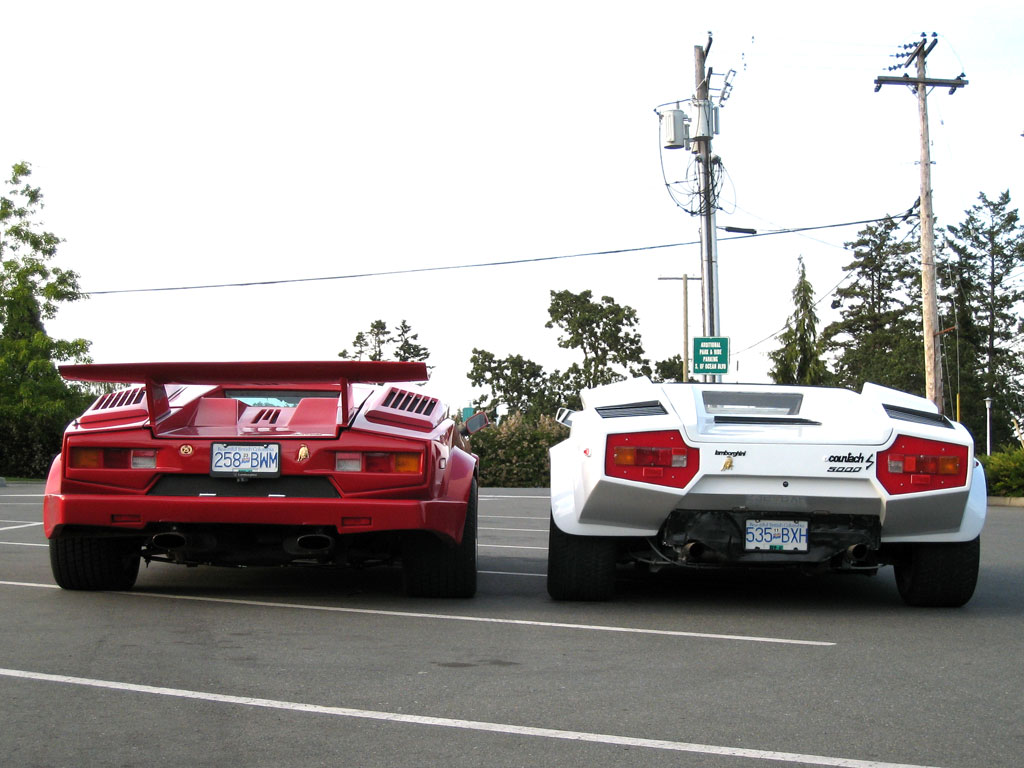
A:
[(777, 535), (245, 459)]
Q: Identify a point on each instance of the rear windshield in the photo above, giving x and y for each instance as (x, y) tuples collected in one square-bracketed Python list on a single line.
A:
[(275, 398), (752, 403)]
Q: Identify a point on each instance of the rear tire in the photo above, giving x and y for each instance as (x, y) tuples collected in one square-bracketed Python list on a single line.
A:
[(939, 575), (580, 567), (435, 568), (94, 563)]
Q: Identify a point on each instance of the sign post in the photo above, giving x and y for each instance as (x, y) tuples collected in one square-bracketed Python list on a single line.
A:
[(711, 355)]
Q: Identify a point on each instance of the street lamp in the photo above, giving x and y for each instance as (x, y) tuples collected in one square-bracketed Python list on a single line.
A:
[(988, 426)]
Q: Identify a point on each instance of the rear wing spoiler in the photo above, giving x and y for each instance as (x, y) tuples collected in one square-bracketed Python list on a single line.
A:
[(156, 376)]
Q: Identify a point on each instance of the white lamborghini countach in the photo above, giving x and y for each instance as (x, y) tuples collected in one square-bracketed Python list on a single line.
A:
[(764, 476)]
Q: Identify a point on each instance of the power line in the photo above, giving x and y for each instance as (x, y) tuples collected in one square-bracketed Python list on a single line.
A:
[(478, 265)]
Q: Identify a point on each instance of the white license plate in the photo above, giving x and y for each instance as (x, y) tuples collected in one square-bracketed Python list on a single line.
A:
[(249, 459), (777, 535)]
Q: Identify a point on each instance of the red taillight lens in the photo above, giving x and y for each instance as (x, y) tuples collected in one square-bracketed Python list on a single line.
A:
[(661, 458), (379, 462), (107, 458), (914, 464)]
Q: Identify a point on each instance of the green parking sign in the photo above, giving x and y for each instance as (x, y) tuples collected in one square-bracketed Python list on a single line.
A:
[(711, 354)]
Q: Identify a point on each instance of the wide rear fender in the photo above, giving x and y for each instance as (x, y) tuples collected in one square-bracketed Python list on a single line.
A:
[(53, 507)]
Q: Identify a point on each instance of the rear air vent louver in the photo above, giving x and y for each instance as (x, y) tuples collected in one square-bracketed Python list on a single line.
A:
[(269, 415), (119, 399), (408, 410), (649, 408), (411, 402), (918, 417)]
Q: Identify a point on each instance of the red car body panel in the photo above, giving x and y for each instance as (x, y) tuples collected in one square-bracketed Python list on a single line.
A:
[(177, 411)]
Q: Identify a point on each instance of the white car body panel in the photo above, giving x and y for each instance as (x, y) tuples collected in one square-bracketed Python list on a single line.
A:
[(824, 463)]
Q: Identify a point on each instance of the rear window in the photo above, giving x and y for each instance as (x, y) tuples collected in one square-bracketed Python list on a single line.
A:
[(275, 398), (752, 403)]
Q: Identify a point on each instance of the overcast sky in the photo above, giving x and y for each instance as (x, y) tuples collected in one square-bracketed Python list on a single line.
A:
[(223, 142)]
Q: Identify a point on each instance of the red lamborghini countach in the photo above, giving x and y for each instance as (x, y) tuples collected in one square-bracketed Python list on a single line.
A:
[(264, 464)]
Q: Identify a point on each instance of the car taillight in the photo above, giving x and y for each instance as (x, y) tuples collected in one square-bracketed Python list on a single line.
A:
[(377, 461), (914, 464), (661, 458), (112, 458)]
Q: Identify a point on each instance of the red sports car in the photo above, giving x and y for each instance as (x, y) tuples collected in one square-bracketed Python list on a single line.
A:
[(263, 464)]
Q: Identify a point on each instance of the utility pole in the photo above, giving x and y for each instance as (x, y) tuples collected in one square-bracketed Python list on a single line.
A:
[(686, 321), (929, 303), (708, 204)]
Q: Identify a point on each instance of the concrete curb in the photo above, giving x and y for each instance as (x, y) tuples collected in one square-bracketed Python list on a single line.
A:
[(1005, 501)]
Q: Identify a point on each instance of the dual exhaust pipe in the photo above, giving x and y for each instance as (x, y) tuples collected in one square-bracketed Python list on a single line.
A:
[(696, 551), (305, 544)]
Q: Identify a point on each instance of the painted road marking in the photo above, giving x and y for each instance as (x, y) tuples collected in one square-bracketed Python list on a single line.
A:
[(513, 517), (489, 497), (521, 530), (446, 617), (512, 573), (24, 544), (508, 546), (447, 722), (15, 527)]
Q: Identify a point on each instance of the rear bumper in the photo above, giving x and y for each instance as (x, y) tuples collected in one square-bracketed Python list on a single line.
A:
[(134, 513)]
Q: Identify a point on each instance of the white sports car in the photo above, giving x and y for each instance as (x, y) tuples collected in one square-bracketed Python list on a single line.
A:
[(720, 475)]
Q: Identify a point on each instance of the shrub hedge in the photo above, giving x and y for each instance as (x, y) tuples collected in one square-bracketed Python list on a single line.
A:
[(514, 453), (1005, 472)]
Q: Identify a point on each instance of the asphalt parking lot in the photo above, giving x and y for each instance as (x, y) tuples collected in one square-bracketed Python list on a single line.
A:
[(288, 667)]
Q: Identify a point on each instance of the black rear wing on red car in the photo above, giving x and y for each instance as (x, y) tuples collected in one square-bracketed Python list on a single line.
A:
[(156, 376)]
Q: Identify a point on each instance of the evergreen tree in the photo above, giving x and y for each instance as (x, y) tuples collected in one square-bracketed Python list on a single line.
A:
[(406, 348), (798, 360), (878, 335), (980, 270), (378, 343)]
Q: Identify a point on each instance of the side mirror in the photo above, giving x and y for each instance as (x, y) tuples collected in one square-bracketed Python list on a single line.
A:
[(564, 416), (475, 423)]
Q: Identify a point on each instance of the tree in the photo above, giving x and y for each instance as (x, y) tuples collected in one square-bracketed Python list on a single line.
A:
[(374, 343), (35, 403), (603, 331), (515, 384), (406, 348), (979, 268), (798, 360), (878, 337), (670, 370)]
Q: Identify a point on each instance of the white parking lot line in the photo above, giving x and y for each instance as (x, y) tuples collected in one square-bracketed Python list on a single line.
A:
[(521, 530), (513, 517), (447, 722), (447, 617), (23, 525), (489, 497), (24, 544), (509, 546)]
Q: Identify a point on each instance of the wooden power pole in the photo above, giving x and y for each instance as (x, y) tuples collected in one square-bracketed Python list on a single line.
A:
[(929, 302)]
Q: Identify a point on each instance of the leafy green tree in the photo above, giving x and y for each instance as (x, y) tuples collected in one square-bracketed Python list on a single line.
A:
[(878, 335), (979, 268), (604, 332), (670, 370), (515, 384), (798, 360), (378, 343), (35, 403)]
